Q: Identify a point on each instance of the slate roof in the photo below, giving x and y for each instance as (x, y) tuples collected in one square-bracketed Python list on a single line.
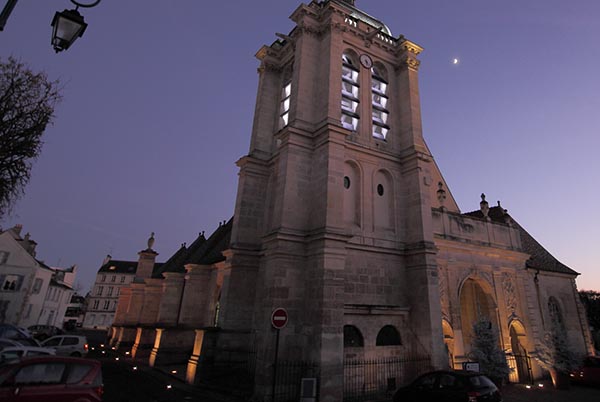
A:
[(540, 258), (202, 251), (121, 267)]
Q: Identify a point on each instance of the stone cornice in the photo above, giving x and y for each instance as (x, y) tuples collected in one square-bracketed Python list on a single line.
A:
[(410, 47)]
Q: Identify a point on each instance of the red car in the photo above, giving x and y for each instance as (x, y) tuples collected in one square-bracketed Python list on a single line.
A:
[(51, 379), (588, 373)]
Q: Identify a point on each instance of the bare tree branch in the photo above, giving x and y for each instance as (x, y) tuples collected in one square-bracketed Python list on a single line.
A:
[(27, 102)]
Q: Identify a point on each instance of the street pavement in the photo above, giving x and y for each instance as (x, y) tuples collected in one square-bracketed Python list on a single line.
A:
[(547, 393), (126, 380)]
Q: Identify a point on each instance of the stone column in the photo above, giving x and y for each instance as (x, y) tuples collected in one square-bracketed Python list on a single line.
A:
[(192, 366)]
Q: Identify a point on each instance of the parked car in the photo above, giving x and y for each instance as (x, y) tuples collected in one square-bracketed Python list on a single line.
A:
[(68, 345), (51, 379), (13, 332), (449, 386), (5, 342), (42, 332), (11, 353), (588, 373)]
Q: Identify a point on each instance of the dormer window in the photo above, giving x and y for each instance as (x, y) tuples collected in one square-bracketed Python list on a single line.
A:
[(350, 93), (380, 113)]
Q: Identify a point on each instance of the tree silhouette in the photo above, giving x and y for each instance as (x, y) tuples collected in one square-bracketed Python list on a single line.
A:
[(27, 102)]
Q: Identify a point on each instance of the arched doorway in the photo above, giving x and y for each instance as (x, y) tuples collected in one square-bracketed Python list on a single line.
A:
[(476, 303), (448, 341), (522, 364)]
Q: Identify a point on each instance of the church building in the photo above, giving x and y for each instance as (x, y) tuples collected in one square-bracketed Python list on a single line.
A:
[(344, 220)]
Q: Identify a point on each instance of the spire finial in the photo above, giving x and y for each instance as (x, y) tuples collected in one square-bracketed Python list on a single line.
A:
[(484, 206), (441, 194)]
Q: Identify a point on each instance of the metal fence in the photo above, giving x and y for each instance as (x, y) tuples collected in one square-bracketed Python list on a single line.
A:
[(289, 378), (376, 379), (520, 369)]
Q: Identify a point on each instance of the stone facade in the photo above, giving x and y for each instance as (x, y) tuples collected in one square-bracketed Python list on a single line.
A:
[(343, 218)]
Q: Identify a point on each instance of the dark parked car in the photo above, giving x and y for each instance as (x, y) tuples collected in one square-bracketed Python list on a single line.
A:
[(449, 386), (41, 332), (13, 332), (52, 379), (588, 373)]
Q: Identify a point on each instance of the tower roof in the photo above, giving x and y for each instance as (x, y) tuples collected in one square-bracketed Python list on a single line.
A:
[(364, 17)]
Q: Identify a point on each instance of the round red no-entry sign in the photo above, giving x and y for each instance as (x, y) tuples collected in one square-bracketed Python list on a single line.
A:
[(279, 318)]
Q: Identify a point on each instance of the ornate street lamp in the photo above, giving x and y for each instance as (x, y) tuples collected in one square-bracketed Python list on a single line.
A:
[(68, 25)]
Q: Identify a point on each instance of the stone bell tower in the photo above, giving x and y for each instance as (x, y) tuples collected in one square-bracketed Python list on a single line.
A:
[(333, 212)]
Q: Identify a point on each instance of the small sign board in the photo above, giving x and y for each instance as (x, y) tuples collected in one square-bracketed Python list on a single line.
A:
[(279, 318), (471, 366)]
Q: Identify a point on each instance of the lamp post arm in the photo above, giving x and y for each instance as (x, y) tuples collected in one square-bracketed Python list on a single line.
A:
[(10, 4)]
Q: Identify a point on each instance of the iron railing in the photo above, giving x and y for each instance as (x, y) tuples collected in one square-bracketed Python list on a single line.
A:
[(377, 379)]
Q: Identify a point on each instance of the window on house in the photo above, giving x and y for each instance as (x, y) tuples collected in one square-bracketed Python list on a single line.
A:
[(96, 303), (114, 307), (122, 278), (350, 93), (11, 283), (113, 278), (379, 103), (118, 291), (3, 257), (37, 286), (284, 106), (109, 292), (99, 291), (106, 304), (102, 278), (352, 337)]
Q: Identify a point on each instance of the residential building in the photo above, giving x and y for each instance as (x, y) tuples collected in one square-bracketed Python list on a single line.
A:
[(112, 277), (31, 292)]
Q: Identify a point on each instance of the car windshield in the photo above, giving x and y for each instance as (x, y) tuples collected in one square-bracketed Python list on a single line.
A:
[(481, 381)]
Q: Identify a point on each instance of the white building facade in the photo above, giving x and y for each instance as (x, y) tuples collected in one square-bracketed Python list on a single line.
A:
[(30, 291), (112, 276)]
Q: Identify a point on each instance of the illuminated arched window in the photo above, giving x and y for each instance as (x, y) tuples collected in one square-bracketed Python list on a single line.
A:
[(380, 112), (350, 92), (352, 337), (388, 336)]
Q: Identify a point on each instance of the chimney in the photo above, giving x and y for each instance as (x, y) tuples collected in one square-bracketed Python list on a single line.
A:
[(106, 259), (17, 229)]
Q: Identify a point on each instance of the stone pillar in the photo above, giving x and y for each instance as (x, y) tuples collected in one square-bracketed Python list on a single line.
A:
[(192, 366), (172, 346), (146, 261), (172, 296), (144, 340), (198, 297)]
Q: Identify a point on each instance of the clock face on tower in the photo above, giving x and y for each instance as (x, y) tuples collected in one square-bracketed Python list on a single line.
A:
[(366, 61)]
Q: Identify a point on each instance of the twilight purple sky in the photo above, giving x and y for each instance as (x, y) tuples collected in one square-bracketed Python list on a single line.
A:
[(159, 98)]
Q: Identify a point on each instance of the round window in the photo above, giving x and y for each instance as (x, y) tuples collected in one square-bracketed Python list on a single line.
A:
[(379, 189), (346, 182)]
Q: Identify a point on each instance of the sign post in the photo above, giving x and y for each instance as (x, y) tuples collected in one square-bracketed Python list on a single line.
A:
[(279, 319)]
